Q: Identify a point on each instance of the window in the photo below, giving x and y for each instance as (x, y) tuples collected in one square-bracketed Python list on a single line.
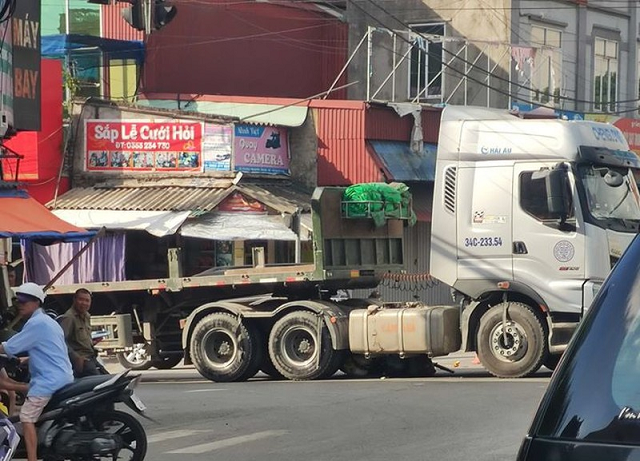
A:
[(546, 73), (533, 197), (74, 17), (425, 66), (86, 68), (605, 75)]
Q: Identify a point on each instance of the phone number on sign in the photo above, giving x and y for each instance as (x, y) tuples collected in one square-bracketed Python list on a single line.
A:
[(483, 242), (143, 145)]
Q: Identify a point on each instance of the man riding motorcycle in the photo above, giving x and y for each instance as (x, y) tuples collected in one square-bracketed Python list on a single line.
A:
[(43, 339)]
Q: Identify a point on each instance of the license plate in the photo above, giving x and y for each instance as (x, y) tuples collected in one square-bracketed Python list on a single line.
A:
[(137, 402)]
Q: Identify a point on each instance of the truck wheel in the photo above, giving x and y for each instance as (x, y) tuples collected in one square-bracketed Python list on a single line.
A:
[(294, 348), (224, 349), (269, 369), (137, 359), (167, 362), (526, 342), (357, 366)]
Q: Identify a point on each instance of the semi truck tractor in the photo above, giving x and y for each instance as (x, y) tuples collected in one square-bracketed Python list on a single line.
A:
[(529, 216)]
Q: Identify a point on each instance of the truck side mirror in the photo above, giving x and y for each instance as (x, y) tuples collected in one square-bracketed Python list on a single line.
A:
[(556, 185)]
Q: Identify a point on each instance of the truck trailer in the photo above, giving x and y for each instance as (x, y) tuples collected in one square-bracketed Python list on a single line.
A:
[(529, 216)]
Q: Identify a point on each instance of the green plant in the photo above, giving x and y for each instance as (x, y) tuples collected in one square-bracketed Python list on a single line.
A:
[(71, 87)]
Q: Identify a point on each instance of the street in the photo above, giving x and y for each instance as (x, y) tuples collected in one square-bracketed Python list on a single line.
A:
[(466, 416)]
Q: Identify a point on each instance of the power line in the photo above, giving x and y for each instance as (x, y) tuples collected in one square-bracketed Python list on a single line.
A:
[(498, 90)]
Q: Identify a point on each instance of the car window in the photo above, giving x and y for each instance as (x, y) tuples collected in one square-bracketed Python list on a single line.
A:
[(595, 396)]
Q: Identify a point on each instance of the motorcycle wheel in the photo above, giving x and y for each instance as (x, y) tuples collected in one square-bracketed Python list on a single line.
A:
[(129, 429)]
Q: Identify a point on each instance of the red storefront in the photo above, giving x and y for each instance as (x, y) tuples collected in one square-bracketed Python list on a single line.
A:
[(42, 150)]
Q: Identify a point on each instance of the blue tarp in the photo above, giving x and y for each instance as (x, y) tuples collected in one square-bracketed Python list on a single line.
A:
[(59, 46), (404, 165)]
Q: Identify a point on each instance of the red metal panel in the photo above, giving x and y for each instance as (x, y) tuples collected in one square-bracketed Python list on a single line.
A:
[(113, 26), (342, 154), (431, 124), (245, 49), (383, 123)]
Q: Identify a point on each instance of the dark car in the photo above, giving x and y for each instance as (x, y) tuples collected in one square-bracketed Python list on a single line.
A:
[(591, 410)]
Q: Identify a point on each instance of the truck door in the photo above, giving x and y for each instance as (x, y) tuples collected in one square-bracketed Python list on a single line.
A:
[(484, 229), (547, 257)]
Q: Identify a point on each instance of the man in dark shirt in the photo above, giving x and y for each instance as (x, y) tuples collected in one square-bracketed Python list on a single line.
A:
[(76, 324)]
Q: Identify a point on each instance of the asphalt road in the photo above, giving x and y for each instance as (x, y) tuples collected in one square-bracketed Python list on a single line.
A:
[(467, 416)]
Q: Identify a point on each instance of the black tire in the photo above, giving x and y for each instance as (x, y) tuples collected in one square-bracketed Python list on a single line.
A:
[(134, 432), (526, 345), (357, 366), (269, 369), (167, 362), (224, 349), (293, 347), (138, 359), (551, 361)]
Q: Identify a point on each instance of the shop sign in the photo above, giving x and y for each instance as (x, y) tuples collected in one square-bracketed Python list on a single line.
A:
[(216, 147), (114, 145), (261, 149), (25, 38)]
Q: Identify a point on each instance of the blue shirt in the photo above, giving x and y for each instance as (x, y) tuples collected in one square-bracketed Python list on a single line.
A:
[(42, 338)]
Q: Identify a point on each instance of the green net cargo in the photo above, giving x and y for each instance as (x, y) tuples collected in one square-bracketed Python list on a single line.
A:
[(378, 201)]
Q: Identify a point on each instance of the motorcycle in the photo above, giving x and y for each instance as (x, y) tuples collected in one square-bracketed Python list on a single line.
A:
[(81, 423)]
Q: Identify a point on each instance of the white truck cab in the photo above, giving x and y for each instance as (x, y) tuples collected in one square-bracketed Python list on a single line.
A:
[(529, 217)]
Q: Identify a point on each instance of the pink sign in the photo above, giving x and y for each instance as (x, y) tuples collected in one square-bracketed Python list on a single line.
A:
[(261, 149)]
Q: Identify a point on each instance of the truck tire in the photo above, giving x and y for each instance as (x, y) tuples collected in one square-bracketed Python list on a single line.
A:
[(224, 349), (293, 347), (357, 366), (167, 362), (269, 369), (526, 345), (137, 359)]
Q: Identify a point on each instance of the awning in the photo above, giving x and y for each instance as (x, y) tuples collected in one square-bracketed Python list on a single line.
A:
[(58, 46), (23, 217), (264, 114), (401, 164), (158, 223), (238, 226)]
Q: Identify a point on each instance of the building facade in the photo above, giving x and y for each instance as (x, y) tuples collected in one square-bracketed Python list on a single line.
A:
[(575, 56)]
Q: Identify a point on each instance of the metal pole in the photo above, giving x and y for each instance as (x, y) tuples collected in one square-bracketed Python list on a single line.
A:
[(393, 81), (466, 70), (369, 52), (344, 68), (392, 73)]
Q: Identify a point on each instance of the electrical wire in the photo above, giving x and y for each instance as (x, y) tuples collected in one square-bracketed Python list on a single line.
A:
[(492, 75)]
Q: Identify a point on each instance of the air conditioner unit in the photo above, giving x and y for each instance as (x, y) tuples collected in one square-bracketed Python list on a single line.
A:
[(4, 123)]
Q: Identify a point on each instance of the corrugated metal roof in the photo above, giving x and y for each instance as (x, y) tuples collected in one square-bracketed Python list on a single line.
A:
[(401, 164), (342, 154), (114, 26), (197, 200)]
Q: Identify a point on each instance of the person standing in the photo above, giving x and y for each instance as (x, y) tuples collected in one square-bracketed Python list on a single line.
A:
[(76, 324), (49, 365)]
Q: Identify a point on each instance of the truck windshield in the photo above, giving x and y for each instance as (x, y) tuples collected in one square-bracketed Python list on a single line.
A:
[(612, 193)]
